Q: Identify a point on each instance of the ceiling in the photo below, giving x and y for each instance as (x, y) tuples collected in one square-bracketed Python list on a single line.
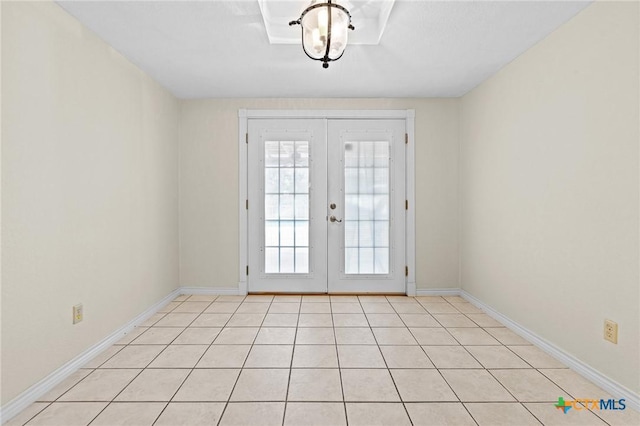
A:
[(204, 49)]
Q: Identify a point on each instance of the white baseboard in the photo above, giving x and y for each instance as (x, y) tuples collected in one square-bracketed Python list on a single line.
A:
[(438, 292), (614, 388), (226, 291), (39, 389)]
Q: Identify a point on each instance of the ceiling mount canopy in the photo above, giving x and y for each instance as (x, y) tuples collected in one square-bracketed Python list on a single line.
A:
[(324, 31)]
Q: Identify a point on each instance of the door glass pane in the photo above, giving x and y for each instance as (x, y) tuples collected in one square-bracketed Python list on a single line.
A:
[(381, 261), (351, 260), (271, 180), (286, 233), (286, 181), (302, 259), (271, 233), (302, 206), (287, 260), (365, 207), (366, 260), (302, 155), (302, 180), (302, 233), (271, 260), (381, 233), (287, 153), (366, 180), (366, 215), (271, 206), (366, 234), (351, 234), (271, 154), (351, 180), (286, 207)]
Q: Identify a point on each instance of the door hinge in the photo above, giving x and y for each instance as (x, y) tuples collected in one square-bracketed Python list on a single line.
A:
[(406, 271), (246, 138), (246, 204), (247, 269), (406, 204), (406, 138)]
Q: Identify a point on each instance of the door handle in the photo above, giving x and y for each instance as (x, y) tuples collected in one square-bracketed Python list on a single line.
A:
[(334, 219)]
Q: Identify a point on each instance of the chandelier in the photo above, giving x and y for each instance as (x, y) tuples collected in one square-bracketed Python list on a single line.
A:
[(324, 31)]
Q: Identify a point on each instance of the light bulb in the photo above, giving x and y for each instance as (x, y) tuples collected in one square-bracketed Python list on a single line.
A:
[(323, 22), (317, 43)]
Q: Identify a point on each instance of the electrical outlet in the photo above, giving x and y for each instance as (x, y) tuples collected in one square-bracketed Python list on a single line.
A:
[(611, 331), (78, 313)]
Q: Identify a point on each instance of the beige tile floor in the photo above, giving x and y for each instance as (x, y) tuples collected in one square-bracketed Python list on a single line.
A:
[(320, 360)]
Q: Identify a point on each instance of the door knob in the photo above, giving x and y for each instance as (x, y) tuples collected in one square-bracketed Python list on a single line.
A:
[(334, 219)]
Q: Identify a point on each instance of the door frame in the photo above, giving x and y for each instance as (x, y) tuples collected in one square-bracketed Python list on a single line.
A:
[(243, 163)]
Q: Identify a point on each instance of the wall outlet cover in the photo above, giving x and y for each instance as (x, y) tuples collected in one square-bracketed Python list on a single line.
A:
[(78, 313), (611, 331)]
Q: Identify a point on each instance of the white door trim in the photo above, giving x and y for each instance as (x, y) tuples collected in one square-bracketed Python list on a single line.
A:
[(243, 218)]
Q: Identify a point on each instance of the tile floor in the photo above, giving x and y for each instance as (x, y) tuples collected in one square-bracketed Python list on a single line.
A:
[(319, 360)]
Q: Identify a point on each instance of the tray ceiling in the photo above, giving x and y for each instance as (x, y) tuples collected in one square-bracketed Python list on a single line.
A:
[(202, 49)]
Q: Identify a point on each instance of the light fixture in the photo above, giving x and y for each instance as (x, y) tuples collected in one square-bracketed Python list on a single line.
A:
[(324, 31)]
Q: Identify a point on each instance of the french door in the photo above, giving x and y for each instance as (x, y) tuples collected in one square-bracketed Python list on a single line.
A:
[(326, 205)]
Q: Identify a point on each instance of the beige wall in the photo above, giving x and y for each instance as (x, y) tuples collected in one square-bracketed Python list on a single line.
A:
[(549, 189), (89, 191), (92, 185), (209, 185)]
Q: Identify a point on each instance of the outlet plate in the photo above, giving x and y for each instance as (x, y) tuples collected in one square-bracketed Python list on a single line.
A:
[(78, 313), (611, 331)]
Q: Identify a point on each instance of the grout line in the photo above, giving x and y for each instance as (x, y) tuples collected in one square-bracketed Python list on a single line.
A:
[(387, 365), (531, 412), (71, 387), (529, 366), (335, 341), (144, 368), (436, 367), (113, 399), (314, 402), (39, 411), (139, 373), (226, 404), (293, 352), (194, 365)]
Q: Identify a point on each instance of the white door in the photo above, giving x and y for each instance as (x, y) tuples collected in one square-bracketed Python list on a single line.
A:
[(287, 230), (326, 206), (366, 195)]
